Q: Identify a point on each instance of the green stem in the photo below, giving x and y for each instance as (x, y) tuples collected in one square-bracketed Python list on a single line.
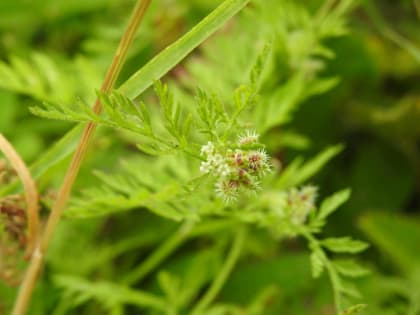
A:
[(236, 114), (332, 273), (224, 273), (160, 254), (187, 230), (323, 11)]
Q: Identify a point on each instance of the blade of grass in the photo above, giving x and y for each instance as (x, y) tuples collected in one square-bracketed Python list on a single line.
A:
[(173, 54)]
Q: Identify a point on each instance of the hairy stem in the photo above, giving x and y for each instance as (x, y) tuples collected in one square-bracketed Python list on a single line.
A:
[(31, 194), (35, 265), (224, 273), (160, 254)]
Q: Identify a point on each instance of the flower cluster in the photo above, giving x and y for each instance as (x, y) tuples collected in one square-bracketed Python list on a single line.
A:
[(289, 208), (300, 202), (236, 169)]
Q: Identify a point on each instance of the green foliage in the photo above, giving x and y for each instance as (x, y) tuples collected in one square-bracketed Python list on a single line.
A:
[(170, 213), (107, 294), (338, 270), (122, 113), (173, 54), (45, 79), (134, 186), (296, 173)]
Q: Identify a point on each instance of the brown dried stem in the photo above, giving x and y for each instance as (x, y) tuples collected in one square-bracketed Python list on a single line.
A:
[(31, 194)]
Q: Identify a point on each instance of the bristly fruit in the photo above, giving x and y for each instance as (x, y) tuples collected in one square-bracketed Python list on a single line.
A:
[(236, 169), (12, 237), (301, 202)]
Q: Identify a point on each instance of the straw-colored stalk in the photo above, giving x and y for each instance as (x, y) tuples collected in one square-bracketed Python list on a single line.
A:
[(31, 193)]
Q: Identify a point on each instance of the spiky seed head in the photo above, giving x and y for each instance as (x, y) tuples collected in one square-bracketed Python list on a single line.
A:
[(250, 137), (227, 189)]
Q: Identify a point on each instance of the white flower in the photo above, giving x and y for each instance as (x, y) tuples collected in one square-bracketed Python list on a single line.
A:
[(215, 159), (205, 167), (224, 170), (207, 149)]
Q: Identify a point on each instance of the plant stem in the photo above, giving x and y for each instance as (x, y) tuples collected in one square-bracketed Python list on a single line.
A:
[(187, 230), (323, 10), (36, 262), (31, 193), (332, 273), (224, 273), (160, 254)]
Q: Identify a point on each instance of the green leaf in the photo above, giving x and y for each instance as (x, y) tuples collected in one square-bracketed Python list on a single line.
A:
[(187, 125), (317, 259), (107, 293), (313, 166), (173, 54), (349, 268), (281, 104), (258, 67), (297, 173), (151, 148), (104, 201), (349, 289), (330, 204), (344, 245), (321, 86)]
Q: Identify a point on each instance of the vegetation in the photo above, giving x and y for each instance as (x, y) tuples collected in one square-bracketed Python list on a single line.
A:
[(209, 157)]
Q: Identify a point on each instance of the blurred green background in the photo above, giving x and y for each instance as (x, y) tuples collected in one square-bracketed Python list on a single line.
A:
[(63, 48)]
